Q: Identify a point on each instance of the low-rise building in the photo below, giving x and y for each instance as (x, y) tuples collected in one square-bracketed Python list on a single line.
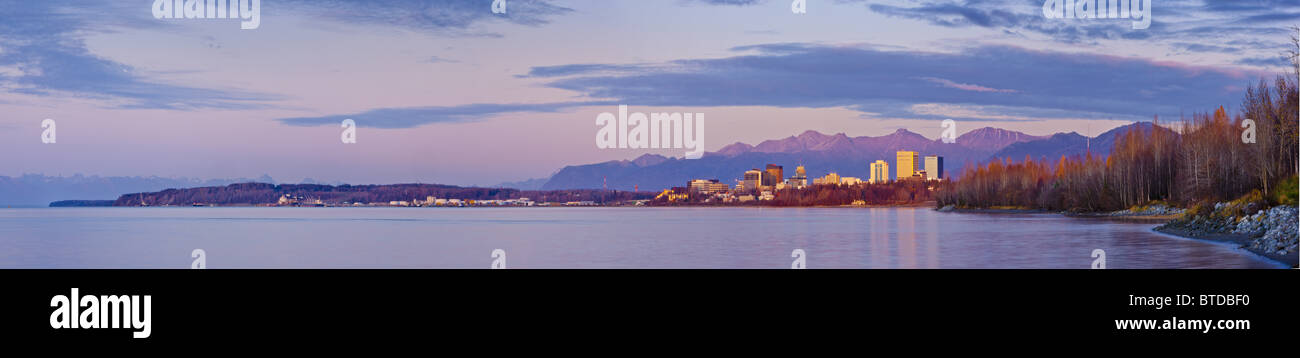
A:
[(706, 186), (830, 179)]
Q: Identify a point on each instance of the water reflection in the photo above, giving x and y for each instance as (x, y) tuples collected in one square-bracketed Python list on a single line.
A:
[(587, 238)]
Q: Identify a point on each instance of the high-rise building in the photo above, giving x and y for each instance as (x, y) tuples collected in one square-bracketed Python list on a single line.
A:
[(908, 164), (879, 172), (773, 175), (753, 179), (933, 167)]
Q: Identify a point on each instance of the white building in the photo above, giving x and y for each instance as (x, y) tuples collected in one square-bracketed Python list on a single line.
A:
[(879, 172), (933, 167)]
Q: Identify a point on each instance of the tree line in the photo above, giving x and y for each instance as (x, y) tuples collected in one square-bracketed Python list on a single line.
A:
[(1209, 157), (909, 191), (262, 193)]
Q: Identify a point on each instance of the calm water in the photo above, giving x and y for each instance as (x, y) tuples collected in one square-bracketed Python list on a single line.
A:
[(587, 238)]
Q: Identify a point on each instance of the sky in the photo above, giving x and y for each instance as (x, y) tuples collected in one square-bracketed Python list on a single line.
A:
[(450, 92)]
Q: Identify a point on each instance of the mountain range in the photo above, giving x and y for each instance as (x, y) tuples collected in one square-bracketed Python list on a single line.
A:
[(822, 153), (819, 153)]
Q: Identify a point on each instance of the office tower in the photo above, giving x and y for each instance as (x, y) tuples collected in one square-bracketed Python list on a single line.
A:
[(879, 172), (753, 179), (773, 175), (933, 167), (908, 164)]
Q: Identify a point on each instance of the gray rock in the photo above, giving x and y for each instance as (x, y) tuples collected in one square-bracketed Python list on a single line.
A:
[(1277, 227)]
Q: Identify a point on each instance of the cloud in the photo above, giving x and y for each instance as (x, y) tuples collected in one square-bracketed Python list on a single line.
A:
[(979, 83), (417, 116), (1196, 47), (1199, 26), (436, 59), (45, 55), (726, 2), (877, 80), (44, 51), (966, 87), (953, 14), (454, 17), (581, 68), (1266, 61)]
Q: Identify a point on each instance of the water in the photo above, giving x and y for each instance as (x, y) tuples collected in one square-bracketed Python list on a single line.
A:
[(588, 238)]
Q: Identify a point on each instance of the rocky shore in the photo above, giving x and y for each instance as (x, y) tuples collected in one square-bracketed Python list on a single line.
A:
[(1151, 210), (1270, 232)]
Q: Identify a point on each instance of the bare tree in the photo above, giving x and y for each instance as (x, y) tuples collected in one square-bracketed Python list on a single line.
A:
[(1293, 53)]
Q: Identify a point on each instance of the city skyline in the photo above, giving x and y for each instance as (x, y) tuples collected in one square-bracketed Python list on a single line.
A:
[(769, 181)]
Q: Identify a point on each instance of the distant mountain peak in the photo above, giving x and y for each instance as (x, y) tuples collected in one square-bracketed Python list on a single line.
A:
[(989, 138), (735, 149), (1069, 135), (810, 134), (902, 134), (646, 160)]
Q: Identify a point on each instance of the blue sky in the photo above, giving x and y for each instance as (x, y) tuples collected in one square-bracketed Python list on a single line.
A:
[(449, 92)]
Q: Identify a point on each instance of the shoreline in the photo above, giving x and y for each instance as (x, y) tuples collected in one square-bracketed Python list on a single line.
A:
[(925, 204), (1241, 241)]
